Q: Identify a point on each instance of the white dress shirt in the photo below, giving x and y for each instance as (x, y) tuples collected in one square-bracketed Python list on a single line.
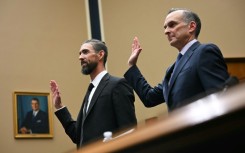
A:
[(95, 82)]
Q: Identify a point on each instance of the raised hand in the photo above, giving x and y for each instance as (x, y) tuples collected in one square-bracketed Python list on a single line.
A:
[(136, 49), (55, 94)]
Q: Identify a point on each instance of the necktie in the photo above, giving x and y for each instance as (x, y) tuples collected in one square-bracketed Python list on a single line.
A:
[(90, 87), (178, 58), (175, 66)]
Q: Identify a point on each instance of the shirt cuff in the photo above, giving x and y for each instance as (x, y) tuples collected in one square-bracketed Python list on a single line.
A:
[(60, 108)]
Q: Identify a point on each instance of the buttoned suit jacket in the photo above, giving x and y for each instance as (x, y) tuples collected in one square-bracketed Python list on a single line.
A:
[(38, 123), (111, 109), (200, 72)]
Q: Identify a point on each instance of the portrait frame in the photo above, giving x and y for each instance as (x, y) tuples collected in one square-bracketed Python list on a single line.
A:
[(40, 126)]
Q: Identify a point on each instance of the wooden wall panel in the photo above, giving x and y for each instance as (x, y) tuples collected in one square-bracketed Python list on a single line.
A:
[(236, 67)]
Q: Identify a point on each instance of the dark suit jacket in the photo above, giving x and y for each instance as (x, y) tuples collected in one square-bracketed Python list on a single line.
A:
[(200, 72), (111, 108), (37, 124)]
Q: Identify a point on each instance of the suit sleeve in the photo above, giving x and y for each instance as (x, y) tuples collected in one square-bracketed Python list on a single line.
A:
[(149, 96), (123, 103), (67, 122), (212, 67), (27, 121)]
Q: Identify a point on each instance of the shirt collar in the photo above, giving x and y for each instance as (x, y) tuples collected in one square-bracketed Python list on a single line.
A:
[(187, 46), (35, 112), (98, 78)]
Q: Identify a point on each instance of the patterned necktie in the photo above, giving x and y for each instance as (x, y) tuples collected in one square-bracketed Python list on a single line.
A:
[(90, 87)]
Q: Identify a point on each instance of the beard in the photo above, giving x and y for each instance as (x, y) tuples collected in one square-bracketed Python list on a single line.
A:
[(89, 68)]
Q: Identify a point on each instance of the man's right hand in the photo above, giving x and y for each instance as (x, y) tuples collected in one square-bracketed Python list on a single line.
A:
[(24, 130), (135, 52), (55, 94)]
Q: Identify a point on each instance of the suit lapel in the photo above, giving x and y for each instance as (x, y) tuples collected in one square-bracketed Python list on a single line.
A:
[(80, 117), (166, 80), (104, 81), (181, 64)]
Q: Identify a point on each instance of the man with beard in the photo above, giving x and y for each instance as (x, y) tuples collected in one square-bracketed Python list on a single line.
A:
[(199, 71), (108, 107)]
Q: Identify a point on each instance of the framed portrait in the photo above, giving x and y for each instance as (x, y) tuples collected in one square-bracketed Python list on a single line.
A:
[(32, 115)]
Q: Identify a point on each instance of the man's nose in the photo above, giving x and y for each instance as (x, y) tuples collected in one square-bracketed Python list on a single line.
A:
[(81, 56), (166, 31)]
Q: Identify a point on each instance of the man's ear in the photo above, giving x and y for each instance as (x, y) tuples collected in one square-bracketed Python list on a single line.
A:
[(101, 54), (192, 26)]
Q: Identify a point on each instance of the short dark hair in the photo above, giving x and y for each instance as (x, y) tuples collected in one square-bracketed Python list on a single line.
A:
[(98, 46), (36, 99), (188, 17)]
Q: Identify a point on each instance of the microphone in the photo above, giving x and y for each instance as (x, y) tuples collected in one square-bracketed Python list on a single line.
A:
[(107, 136)]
